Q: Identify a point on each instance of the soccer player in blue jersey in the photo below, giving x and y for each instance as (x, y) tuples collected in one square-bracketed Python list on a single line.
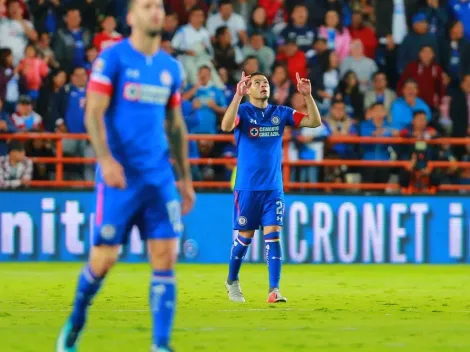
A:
[(259, 195), (132, 87)]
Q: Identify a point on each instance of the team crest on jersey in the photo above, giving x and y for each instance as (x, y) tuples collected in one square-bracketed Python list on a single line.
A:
[(254, 131), (165, 78), (275, 120), (242, 221), (98, 65), (108, 232)]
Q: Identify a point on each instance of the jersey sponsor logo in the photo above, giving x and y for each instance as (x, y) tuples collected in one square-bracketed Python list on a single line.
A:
[(256, 131), (242, 220), (132, 73), (108, 232), (165, 78), (275, 120), (146, 93), (98, 65)]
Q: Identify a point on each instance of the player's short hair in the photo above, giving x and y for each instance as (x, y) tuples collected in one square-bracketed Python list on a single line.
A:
[(225, 2), (258, 73), (419, 112)]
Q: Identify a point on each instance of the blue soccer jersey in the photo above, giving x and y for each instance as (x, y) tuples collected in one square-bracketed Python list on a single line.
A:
[(141, 88), (258, 135), (258, 191)]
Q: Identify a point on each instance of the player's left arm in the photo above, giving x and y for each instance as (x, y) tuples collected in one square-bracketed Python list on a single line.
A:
[(313, 117)]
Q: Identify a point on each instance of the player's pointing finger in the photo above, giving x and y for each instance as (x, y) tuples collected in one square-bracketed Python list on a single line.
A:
[(298, 77), (243, 75)]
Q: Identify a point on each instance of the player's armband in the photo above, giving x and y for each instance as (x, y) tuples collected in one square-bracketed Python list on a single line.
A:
[(100, 84), (298, 117), (175, 100)]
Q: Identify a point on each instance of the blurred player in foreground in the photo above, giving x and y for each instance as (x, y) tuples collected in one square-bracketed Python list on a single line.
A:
[(259, 195), (132, 86)]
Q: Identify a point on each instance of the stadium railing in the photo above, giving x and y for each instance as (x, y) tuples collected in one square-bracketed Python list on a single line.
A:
[(59, 160)]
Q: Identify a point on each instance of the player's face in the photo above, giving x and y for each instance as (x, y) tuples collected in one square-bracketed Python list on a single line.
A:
[(147, 16), (260, 88)]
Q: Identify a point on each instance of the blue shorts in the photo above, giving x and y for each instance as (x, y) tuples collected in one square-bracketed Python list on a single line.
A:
[(155, 210), (255, 208)]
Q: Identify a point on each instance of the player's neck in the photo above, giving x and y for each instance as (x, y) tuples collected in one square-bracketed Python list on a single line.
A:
[(259, 103), (145, 44)]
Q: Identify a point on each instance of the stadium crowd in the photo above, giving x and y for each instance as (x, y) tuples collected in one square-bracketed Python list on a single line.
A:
[(378, 68)]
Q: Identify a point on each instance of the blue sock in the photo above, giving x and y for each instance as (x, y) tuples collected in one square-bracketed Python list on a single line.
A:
[(88, 285), (239, 249), (273, 258), (162, 305)]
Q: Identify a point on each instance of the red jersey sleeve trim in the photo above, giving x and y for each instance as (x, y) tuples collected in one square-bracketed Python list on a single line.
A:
[(298, 117), (237, 121), (100, 84), (175, 100)]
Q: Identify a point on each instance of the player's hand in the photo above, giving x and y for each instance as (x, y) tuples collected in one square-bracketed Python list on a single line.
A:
[(113, 173), (243, 87), (188, 195), (303, 85)]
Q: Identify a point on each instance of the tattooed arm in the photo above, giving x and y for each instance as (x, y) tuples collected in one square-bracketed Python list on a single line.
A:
[(178, 139)]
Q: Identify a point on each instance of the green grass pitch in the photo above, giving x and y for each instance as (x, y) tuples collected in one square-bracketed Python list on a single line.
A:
[(330, 308)]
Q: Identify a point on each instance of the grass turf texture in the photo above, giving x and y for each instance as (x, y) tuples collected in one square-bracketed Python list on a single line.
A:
[(330, 308)]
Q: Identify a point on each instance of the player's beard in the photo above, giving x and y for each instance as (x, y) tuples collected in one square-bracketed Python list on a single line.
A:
[(153, 33)]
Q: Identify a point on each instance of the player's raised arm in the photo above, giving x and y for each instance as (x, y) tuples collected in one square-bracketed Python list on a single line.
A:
[(243, 87), (313, 118)]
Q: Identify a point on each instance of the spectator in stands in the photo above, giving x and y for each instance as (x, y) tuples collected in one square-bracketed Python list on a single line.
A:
[(338, 123), (15, 31), (6, 126), (45, 52), (208, 102), (298, 30), (108, 36), (337, 37), (170, 26), (229, 83), (415, 40), (225, 54), (455, 54), (192, 120), (40, 148), (183, 8), (417, 174), (348, 91), (272, 9), (393, 19), (25, 119), (325, 82), (376, 125), (49, 98), (16, 169), (250, 65), (428, 75), (281, 86), (70, 42), (72, 101), (404, 107), (47, 15), (361, 65), (319, 55), (460, 10), (11, 83), (265, 54), (91, 54), (34, 70), (366, 34), (192, 43), (380, 93), (227, 17), (294, 59), (260, 24), (437, 17), (366, 9), (465, 172), (460, 112)]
